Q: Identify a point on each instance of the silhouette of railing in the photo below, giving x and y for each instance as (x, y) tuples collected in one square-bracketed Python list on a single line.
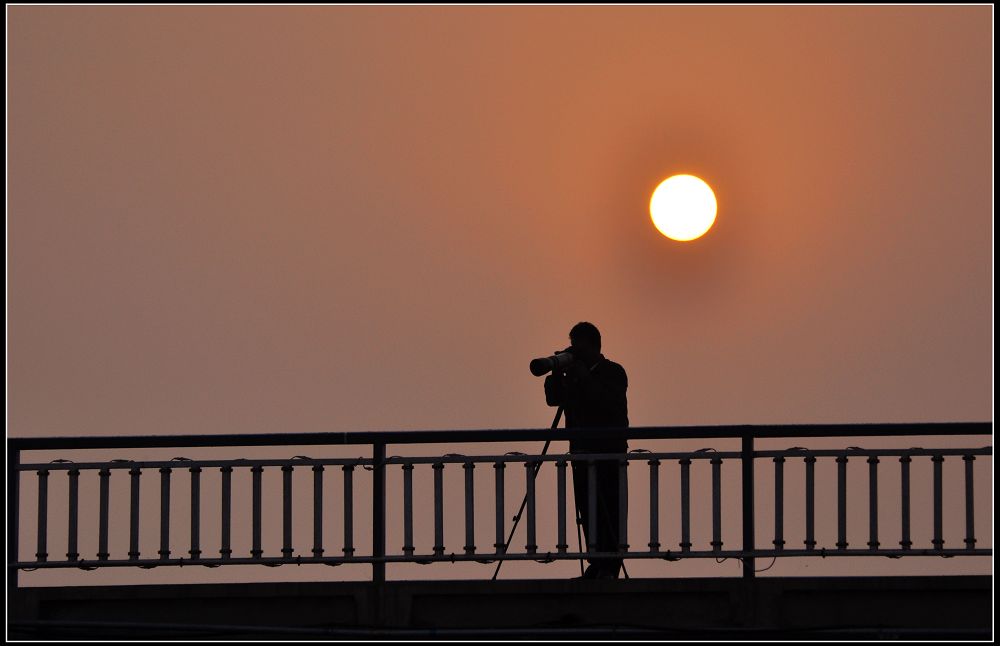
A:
[(378, 464)]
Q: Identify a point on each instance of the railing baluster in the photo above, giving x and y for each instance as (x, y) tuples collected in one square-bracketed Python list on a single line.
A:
[(747, 484), (102, 532), (779, 503), (623, 505), (498, 468), (133, 550), (592, 505), (716, 504), (904, 470), (470, 519), (286, 507), (317, 549), (970, 527), (225, 550), (873, 502), (195, 550), (72, 553), (529, 470), (256, 471), (561, 545), (810, 462), (438, 468), (378, 513), (654, 505), (348, 510), (685, 505), (13, 531), (842, 502), (165, 513), (938, 541), (408, 509), (43, 515)]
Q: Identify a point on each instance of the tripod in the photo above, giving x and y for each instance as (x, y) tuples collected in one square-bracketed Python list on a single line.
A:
[(517, 518)]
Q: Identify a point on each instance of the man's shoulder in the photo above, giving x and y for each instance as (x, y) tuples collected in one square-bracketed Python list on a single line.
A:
[(610, 367)]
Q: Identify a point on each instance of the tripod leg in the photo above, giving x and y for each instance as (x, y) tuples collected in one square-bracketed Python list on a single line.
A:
[(517, 518)]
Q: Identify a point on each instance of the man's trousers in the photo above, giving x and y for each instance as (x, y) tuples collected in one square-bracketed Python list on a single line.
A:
[(609, 511)]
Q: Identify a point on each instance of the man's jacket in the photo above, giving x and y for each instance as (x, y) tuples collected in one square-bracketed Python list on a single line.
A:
[(597, 400)]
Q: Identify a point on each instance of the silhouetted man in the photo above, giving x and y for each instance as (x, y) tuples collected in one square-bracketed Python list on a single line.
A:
[(592, 392)]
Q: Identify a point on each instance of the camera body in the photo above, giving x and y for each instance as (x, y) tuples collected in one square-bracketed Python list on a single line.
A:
[(558, 362)]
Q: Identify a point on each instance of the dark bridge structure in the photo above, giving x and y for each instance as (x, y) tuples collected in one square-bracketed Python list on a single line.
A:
[(747, 606)]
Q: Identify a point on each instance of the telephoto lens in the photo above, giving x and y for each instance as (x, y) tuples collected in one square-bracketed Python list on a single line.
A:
[(557, 361)]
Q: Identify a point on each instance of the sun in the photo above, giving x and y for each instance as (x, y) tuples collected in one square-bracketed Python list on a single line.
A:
[(683, 207)]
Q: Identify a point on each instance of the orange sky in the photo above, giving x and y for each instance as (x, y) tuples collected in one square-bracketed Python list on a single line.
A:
[(258, 219), (331, 218)]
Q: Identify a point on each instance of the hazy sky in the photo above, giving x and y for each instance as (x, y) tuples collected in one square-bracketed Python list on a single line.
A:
[(362, 218), (266, 219)]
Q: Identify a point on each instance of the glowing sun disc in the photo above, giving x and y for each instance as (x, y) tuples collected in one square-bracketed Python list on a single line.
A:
[(683, 207)]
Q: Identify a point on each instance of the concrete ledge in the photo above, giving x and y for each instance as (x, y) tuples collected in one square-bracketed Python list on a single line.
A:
[(958, 607)]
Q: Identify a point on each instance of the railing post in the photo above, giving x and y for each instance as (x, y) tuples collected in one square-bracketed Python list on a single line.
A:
[(842, 502), (873, 502), (470, 519), (287, 471), (226, 550), (561, 544), (654, 505), (529, 469), (378, 512), (408, 509), (74, 514), (779, 502), (500, 544), (133, 541), (257, 472), (102, 523), (165, 513), (13, 500), (938, 540), (970, 525), (348, 470), (317, 510), (904, 506), (685, 505), (716, 504), (43, 515), (748, 494), (438, 468), (195, 550), (810, 462)]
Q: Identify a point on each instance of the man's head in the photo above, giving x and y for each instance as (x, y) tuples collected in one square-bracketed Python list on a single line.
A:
[(585, 339)]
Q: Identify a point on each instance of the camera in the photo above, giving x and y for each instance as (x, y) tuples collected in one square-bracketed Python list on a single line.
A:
[(559, 360)]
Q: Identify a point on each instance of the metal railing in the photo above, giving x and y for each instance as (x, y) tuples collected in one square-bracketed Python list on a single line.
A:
[(378, 465)]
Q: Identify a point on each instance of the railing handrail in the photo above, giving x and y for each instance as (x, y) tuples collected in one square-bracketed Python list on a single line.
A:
[(631, 456), (731, 431)]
